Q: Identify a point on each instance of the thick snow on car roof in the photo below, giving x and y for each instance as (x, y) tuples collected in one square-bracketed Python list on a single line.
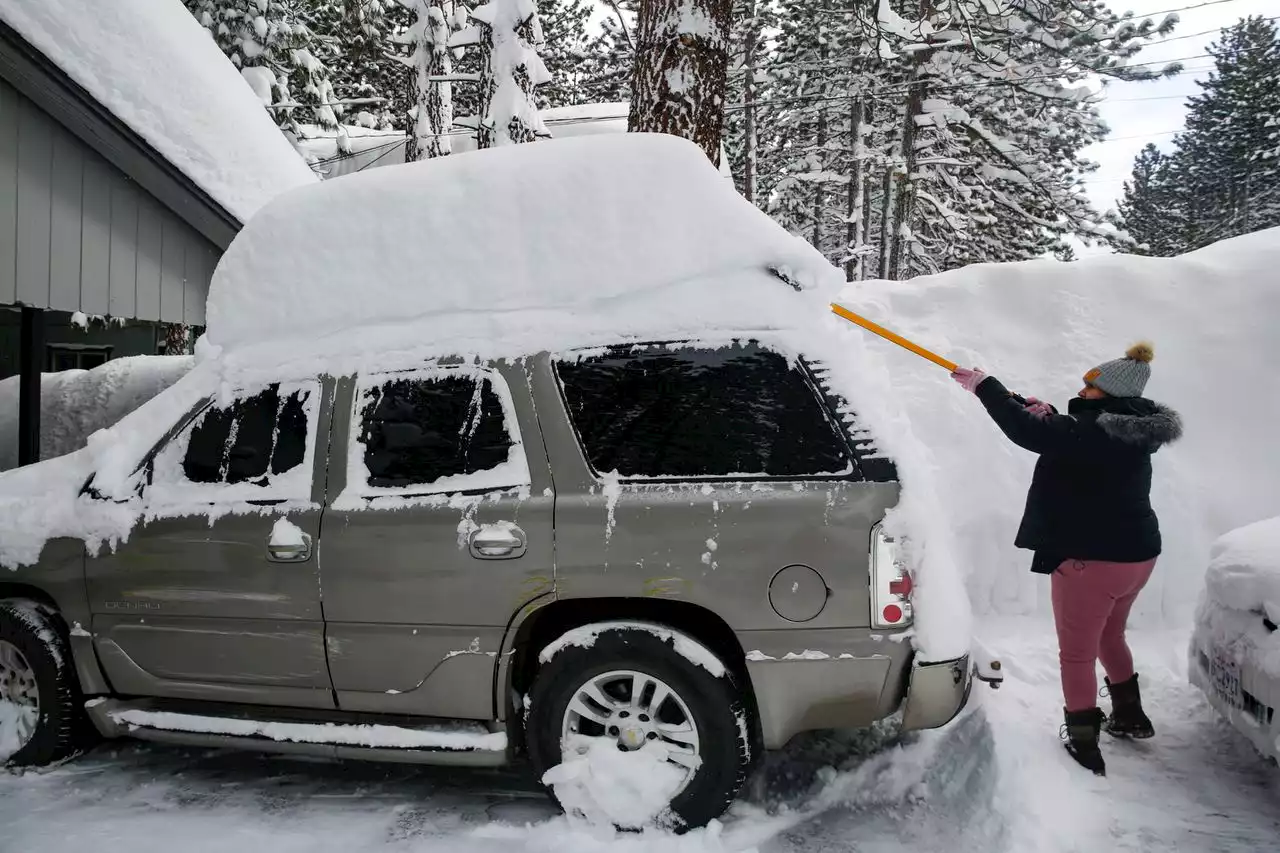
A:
[(157, 70), (556, 226)]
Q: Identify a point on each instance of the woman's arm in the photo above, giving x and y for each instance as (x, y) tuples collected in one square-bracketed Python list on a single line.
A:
[(1045, 433)]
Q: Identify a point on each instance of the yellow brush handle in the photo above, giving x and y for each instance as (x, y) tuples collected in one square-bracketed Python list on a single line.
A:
[(890, 336)]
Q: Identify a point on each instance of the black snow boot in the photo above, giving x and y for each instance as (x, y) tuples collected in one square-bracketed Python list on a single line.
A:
[(1127, 718), (1081, 736)]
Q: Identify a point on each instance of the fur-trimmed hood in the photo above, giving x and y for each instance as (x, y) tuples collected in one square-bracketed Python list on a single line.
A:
[(1134, 421)]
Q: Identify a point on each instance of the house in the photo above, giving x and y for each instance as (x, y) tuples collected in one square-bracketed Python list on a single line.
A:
[(131, 152)]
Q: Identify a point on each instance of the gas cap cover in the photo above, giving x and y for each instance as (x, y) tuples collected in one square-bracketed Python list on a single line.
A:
[(798, 593)]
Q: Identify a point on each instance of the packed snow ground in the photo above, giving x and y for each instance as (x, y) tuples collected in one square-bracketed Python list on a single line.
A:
[(995, 780)]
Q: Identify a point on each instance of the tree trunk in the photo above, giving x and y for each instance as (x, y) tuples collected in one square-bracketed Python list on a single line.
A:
[(680, 75), (905, 208), (856, 211), (886, 219), (510, 69), (820, 187), (177, 339), (432, 99), (750, 153)]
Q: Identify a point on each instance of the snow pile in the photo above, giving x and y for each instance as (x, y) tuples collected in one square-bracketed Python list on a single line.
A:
[(604, 784), (1039, 326), (76, 403), (1244, 573), (156, 69), (554, 227)]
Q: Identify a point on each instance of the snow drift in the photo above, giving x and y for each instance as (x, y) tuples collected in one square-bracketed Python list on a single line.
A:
[(1039, 326), (157, 70), (76, 403)]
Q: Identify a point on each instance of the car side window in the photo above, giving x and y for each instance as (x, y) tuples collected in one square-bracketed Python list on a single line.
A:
[(248, 441), (258, 446), (431, 431), (688, 412)]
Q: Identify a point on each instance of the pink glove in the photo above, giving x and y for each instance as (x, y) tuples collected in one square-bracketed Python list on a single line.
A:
[(1037, 408), (969, 379)]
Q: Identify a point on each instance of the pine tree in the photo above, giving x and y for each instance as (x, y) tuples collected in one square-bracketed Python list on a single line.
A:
[(430, 60), (680, 74), (370, 80), (1222, 179), (567, 46), (1150, 205), (507, 33), (279, 54), (611, 56)]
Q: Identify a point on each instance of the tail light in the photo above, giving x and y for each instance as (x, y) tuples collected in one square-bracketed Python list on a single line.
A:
[(890, 583)]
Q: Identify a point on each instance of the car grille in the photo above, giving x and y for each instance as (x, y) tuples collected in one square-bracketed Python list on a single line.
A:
[(1260, 711)]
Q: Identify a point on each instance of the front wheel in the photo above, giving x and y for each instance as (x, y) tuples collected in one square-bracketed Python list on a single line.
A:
[(37, 690), (638, 725)]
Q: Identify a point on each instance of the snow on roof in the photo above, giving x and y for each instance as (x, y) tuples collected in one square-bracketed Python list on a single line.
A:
[(552, 226), (157, 70)]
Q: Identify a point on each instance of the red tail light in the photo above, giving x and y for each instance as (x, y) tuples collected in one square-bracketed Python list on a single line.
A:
[(891, 583)]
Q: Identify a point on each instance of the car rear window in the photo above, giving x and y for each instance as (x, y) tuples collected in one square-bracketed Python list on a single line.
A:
[(420, 430), (683, 412)]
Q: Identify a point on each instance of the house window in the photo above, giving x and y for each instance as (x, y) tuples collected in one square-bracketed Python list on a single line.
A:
[(76, 357)]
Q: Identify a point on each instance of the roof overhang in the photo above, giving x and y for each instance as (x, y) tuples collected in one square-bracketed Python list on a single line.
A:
[(36, 77)]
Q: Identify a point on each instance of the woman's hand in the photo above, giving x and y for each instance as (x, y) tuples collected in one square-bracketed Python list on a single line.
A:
[(1038, 408), (968, 379)]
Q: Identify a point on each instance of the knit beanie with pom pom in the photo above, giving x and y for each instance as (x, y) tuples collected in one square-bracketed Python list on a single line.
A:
[(1124, 377)]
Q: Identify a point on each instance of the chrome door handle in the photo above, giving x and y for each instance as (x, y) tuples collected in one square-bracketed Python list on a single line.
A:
[(498, 542), (291, 553)]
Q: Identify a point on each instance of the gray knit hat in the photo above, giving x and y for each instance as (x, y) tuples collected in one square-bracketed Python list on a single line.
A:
[(1124, 377)]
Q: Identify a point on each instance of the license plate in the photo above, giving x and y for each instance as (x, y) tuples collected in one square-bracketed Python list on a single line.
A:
[(1224, 675)]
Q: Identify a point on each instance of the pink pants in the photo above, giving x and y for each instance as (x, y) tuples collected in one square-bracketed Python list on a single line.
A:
[(1091, 603)]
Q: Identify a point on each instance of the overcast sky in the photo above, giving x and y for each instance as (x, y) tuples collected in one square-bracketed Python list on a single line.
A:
[(1138, 113)]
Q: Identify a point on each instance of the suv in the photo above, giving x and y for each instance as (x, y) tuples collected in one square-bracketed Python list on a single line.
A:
[(665, 554)]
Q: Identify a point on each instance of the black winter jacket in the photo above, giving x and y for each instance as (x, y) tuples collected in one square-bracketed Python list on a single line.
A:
[(1090, 498)]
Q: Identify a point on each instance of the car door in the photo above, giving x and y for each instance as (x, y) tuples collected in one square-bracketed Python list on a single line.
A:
[(440, 531), (215, 595)]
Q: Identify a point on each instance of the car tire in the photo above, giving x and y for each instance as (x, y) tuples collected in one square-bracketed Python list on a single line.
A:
[(34, 654), (713, 702)]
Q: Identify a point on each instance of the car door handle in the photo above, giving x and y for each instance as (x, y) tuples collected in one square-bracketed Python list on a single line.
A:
[(498, 542), (292, 552)]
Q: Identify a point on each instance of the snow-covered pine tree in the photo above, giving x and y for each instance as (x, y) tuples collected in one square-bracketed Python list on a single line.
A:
[(279, 54), (1221, 164), (565, 51), (680, 74), (612, 54), (1151, 206), (506, 33), (753, 20), (371, 82)]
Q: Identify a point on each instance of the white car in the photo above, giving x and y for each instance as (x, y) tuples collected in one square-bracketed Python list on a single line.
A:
[(1235, 649)]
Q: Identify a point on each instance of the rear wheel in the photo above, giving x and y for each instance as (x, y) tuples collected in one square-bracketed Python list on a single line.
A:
[(38, 707), (627, 729)]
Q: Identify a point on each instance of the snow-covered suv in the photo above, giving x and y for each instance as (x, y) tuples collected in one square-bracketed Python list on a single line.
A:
[(531, 452)]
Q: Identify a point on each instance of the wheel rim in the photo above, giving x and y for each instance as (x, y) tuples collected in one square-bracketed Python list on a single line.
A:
[(18, 688), (635, 709)]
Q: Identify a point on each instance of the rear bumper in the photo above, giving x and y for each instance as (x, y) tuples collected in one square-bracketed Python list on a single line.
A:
[(828, 679)]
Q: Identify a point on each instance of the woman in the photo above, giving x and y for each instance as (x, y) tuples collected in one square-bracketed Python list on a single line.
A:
[(1090, 523)]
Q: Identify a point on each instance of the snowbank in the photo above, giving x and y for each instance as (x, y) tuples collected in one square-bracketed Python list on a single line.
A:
[(1039, 326), (1244, 573), (156, 69), (550, 226), (76, 403)]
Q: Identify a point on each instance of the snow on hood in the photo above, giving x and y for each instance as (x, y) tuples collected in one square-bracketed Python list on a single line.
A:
[(1244, 572), (1039, 326), (550, 227), (157, 70)]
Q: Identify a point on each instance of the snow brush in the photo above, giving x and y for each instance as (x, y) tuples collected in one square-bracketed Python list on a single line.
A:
[(859, 320)]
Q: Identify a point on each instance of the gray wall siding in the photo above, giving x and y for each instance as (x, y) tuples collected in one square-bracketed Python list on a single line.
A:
[(77, 235)]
